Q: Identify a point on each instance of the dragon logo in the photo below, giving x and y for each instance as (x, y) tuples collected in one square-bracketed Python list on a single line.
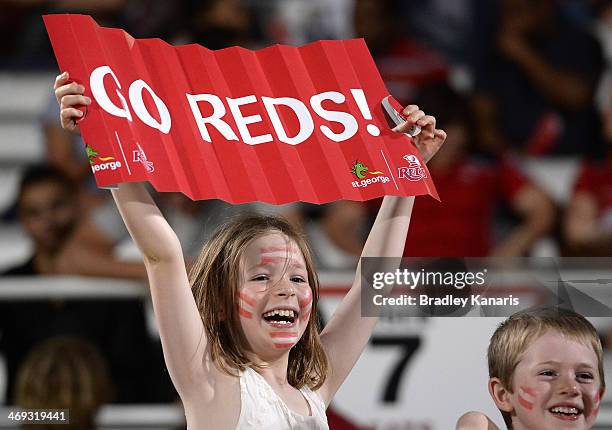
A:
[(92, 154), (361, 170)]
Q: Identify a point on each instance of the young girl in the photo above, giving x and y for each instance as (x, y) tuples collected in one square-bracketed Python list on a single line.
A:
[(239, 335)]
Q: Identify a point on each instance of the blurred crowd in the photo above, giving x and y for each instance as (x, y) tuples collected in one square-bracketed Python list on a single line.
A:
[(515, 83)]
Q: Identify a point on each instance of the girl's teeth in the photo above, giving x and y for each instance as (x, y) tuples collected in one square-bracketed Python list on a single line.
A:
[(284, 313)]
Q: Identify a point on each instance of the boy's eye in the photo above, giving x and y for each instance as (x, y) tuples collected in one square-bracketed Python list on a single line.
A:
[(585, 375)]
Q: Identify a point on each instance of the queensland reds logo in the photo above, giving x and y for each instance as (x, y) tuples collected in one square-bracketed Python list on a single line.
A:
[(414, 171)]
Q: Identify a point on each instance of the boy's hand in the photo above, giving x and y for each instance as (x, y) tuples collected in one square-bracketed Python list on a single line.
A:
[(430, 139), (69, 95)]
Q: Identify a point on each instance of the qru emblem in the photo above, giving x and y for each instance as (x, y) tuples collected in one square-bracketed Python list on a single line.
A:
[(141, 157), (414, 171)]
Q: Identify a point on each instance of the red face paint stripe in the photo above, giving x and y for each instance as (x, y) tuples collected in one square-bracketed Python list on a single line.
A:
[(283, 260), (527, 405), (244, 313), (273, 249), (283, 345), (596, 400), (246, 298), (306, 301), (276, 334), (529, 391)]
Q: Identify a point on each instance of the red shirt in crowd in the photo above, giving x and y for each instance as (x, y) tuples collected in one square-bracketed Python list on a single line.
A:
[(461, 225), (596, 179)]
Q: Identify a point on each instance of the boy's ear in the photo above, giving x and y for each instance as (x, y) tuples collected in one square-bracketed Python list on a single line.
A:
[(501, 395)]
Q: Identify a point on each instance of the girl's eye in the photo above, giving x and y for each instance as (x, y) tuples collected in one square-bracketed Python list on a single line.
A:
[(260, 278), (547, 373), (298, 279)]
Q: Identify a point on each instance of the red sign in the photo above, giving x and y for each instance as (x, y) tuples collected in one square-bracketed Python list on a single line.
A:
[(277, 125)]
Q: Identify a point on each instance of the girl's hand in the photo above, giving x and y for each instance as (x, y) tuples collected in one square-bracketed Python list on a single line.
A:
[(70, 96), (430, 139), (475, 421)]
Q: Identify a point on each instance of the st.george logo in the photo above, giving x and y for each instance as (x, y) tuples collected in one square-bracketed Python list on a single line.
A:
[(108, 163), (414, 171)]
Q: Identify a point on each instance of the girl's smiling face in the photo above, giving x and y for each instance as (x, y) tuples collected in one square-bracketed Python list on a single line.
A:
[(556, 385), (274, 297)]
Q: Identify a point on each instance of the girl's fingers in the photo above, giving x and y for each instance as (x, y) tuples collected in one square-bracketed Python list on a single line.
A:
[(440, 135), (408, 110), (74, 100), (60, 80), (68, 89), (70, 115), (415, 116), (426, 121)]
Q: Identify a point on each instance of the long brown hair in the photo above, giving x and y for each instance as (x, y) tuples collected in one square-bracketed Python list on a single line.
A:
[(214, 281)]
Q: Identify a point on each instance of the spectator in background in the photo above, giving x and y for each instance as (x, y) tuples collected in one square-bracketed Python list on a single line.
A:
[(65, 373), (66, 153), (535, 85), (66, 244), (218, 24), (337, 231), (588, 220), (30, 45), (403, 62), (472, 189)]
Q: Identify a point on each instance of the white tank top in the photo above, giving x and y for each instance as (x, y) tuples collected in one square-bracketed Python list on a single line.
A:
[(261, 408)]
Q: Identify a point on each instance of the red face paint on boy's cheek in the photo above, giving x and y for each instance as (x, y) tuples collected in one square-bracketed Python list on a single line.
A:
[(596, 401), (526, 397)]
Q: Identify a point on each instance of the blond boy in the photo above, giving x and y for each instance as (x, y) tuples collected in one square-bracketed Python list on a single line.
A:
[(546, 372)]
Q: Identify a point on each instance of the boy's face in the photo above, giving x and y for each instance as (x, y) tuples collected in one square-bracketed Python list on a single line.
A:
[(274, 297), (555, 385)]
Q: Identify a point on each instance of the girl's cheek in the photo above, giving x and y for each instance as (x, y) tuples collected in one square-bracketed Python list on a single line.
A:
[(305, 303), (527, 397), (245, 303)]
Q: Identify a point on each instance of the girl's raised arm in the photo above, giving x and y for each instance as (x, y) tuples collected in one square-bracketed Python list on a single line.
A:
[(181, 329), (475, 421), (347, 333)]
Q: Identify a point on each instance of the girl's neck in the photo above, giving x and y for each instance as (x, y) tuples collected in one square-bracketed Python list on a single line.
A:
[(274, 370)]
